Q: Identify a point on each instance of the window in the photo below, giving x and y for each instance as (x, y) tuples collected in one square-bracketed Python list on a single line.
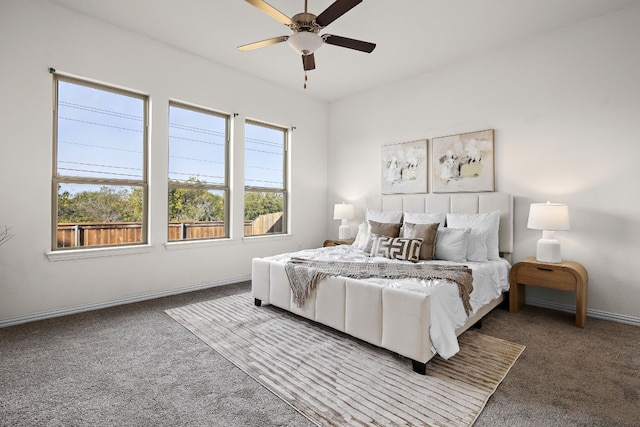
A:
[(198, 173), (265, 186), (100, 175)]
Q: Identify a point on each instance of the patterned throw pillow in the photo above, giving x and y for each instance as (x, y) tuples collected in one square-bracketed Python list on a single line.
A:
[(381, 229), (400, 248)]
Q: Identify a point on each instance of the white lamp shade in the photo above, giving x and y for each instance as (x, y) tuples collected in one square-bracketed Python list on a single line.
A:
[(343, 211), (305, 42), (548, 216)]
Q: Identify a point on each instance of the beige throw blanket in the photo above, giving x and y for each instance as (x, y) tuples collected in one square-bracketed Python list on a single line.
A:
[(304, 275)]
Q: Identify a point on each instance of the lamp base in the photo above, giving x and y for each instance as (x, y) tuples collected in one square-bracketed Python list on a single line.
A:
[(548, 248), (344, 232)]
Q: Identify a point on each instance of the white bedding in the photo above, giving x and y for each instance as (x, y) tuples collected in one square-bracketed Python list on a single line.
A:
[(490, 279)]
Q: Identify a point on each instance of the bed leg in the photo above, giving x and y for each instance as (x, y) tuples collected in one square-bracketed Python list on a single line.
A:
[(419, 367), (257, 302)]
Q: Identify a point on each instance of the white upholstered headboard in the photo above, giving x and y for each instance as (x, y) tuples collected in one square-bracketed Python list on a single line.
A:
[(467, 203)]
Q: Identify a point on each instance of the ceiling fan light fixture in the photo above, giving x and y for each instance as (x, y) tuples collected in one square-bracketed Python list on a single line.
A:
[(305, 42)]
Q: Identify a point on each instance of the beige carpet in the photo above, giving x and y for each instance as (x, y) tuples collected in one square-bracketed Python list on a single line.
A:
[(335, 380)]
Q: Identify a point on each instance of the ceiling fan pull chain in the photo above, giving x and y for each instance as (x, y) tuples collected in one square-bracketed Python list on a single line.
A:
[(305, 79)]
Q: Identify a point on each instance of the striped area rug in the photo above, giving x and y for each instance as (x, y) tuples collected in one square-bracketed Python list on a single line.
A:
[(335, 380)]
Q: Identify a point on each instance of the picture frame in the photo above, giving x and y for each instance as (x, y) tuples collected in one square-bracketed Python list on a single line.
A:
[(404, 167), (463, 162)]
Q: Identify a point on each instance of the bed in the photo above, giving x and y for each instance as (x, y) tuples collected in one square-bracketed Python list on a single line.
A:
[(414, 317)]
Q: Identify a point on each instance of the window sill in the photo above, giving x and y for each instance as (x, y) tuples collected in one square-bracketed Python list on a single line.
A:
[(285, 236), (194, 244), (97, 252)]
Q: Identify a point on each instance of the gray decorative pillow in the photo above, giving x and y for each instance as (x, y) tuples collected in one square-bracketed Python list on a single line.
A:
[(426, 232), (400, 248), (480, 221), (477, 245), (381, 229), (451, 244)]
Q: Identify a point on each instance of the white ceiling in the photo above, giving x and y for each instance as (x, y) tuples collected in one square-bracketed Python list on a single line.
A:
[(412, 36)]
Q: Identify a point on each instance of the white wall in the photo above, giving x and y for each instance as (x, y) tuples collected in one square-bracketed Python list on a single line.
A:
[(36, 35), (565, 108), (566, 114)]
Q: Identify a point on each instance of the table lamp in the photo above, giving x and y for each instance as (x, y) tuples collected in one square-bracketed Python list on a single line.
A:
[(548, 217), (343, 211)]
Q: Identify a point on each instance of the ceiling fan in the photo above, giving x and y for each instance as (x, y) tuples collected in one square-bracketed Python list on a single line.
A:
[(306, 26)]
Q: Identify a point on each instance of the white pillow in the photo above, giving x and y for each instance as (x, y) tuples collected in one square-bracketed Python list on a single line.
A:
[(481, 221), (362, 237), (425, 218), (477, 245), (387, 217), (451, 244)]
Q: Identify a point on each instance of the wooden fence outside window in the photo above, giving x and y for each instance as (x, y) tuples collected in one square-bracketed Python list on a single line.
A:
[(119, 233)]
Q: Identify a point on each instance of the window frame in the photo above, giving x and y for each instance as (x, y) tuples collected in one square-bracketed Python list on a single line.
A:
[(192, 186), (285, 173), (66, 179)]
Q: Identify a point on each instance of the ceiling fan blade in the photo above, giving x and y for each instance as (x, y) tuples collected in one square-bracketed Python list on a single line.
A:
[(271, 11), (263, 43), (349, 43), (335, 11), (308, 62)]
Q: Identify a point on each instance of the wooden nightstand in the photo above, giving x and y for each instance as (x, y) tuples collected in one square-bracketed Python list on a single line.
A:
[(565, 276), (336, 242)]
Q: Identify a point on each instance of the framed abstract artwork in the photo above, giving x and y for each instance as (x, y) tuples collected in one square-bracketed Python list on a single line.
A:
[(463, 163), (404, 167)]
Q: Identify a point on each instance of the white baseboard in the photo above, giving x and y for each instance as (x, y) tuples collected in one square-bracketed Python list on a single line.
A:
[(590, 312), (11, 321), (152, 295)]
